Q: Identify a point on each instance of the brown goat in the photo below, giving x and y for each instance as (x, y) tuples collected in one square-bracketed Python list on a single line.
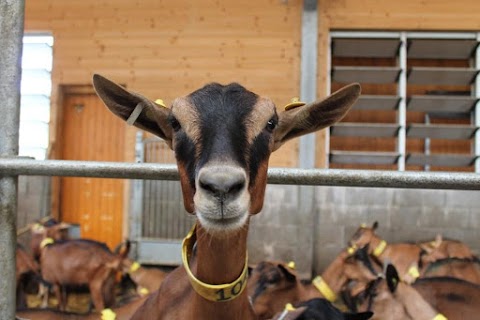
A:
[(407, 258), (443, 249), (147, 280), (222, 137), (50, 229), (452, 298), (465, 269), (82, 262), (273, 284), (124, 312), (25, 264)]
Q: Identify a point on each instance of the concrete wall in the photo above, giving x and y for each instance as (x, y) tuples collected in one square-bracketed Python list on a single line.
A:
[(33, 202), (313, 239)]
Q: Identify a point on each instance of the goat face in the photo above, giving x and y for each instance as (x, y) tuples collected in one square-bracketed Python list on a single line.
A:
[(222, 137), (363, 236)]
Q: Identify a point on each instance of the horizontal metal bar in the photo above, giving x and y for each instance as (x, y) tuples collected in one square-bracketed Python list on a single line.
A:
[(291, 176)]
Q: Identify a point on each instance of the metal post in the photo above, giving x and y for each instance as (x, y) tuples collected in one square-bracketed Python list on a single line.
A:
[(308, 93), (476, 111), (11, 33), (136, 202), (402, 106)]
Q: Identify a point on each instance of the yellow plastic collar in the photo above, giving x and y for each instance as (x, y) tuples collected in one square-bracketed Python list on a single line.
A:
[(413, 271), (294, 103), (324, 289), (45, 242), (380, 248), (212, 292), (108, 314), (134, 267), (440, 317)]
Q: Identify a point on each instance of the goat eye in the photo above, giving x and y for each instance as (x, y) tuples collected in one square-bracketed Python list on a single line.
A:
[(271, 124), (175, 124)]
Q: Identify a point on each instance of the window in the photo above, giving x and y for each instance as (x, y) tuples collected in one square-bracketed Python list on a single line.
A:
[(418, 103), (36, 86)]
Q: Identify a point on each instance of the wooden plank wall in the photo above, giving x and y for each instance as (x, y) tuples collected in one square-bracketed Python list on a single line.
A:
[(166, 49), (414, 15)]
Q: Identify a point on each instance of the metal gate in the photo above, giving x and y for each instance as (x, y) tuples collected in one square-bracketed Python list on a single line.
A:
[(160, 220)]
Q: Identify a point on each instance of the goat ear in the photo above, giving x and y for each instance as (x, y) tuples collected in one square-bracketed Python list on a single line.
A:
[(358, 316), (290, 275), (375, 225), (392, 277), (152, 117), (316, 115)]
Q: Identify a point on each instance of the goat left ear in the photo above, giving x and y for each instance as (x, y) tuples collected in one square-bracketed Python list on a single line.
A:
[(125, 104), (316, 115)]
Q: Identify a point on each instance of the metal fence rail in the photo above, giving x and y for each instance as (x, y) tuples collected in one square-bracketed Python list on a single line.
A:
[(318, 177)]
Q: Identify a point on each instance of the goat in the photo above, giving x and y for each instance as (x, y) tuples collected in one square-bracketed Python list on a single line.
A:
[(146, 279), (124, 312), (391, 299), (273, 284), (443, 249), (455, 298), (81, 262), (24, 265), (406, 257), (424, 299), (465, 269), (222, 137), (318, 309), (49, 229)]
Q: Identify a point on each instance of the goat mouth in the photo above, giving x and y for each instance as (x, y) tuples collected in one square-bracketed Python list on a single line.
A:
[(221, 225)]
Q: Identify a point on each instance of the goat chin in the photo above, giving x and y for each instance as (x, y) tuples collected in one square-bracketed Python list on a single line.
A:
[(222, 227)]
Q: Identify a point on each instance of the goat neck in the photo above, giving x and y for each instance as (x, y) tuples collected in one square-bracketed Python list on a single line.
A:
[(332, 276), (219, 260)]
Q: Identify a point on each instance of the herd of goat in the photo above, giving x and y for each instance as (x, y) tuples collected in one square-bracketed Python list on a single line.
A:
[(438, 279)]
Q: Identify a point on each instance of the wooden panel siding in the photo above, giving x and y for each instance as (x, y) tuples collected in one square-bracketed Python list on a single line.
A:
[(165, 49)]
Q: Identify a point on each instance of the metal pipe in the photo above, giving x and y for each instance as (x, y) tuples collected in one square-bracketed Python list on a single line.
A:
[(11, 33), (291, 176)]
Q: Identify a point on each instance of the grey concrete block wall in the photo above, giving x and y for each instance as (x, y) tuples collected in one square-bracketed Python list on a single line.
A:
[(313, 239), (33, 201)]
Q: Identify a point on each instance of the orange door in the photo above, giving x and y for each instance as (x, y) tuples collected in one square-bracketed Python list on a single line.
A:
[(91, 132)]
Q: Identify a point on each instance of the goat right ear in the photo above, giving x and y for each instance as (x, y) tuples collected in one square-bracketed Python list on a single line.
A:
[(288, 273), (134, 108)]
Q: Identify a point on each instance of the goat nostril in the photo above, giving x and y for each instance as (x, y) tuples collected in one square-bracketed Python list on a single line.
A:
[(236, 188)]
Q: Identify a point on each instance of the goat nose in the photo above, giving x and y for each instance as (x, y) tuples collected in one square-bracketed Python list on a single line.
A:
[(222, 183)]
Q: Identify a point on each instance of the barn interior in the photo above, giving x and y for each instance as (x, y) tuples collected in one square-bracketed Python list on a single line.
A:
[(417, 118)]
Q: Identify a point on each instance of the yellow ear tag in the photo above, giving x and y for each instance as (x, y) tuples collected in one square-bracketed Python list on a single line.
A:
[(289, 307), (440, 316), (45, 242), (291, 265), (160, 102), (143, 291), (363, 225), (351, 250), (294, 103), (134, 267), (108, 314), (413, 271)]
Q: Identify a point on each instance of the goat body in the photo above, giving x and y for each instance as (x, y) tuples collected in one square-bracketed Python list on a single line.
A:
[(465, 269), (222, 136), (124, 312), (81, 262)]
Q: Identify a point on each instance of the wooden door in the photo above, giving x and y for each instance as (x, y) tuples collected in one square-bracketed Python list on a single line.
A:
[(91, 132)]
